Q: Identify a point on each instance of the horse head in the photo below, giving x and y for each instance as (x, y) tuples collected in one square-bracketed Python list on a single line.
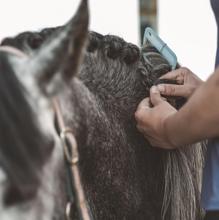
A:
[(30, 149)]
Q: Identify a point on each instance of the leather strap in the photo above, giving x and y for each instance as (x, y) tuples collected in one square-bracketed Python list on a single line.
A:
[(75, 190)]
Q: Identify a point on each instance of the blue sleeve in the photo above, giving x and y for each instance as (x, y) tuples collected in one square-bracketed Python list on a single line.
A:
[(210, 186), (215, 8)]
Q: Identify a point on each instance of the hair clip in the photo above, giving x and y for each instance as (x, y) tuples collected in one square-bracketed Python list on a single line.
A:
[(151, 37)]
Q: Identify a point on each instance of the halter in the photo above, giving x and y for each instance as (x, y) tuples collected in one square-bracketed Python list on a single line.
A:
[(75, 192)]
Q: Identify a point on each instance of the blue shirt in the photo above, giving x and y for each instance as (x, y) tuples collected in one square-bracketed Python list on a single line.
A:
[(215, 7), (210, 187)]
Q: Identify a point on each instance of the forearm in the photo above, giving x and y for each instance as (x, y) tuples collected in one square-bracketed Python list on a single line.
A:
[(199, 118)]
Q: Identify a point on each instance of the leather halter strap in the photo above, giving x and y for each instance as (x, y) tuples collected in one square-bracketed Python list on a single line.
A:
[(75, 190)]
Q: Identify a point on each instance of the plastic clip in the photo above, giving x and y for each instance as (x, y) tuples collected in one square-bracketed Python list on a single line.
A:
[(161, 46)]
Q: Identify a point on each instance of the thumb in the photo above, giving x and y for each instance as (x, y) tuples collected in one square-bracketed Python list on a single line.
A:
[(155, 96)]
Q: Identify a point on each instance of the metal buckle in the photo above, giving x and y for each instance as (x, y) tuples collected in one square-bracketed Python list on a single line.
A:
[(68, 211), (69, 146)]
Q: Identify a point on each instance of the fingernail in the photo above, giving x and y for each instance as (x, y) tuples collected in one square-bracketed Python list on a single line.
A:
[(161, 88), (154, 89)]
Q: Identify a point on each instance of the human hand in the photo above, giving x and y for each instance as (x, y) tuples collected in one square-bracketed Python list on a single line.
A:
[(187, 80), (151, 120)]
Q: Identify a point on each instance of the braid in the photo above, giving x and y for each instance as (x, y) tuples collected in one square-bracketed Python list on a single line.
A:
[(116, 48), (94, 41), (113, 47)]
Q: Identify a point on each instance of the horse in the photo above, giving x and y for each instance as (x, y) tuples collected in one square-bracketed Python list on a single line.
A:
[(98, 81)]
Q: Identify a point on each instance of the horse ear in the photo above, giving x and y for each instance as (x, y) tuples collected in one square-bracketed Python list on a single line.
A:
[(58, 59)]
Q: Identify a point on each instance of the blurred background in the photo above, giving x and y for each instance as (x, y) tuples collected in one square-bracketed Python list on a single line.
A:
[(187, 26)]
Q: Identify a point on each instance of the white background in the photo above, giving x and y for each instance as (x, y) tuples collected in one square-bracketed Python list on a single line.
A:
[(118, 17), (188, 26)]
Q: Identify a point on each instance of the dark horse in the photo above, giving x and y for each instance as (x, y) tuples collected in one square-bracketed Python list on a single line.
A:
[(99, 81)]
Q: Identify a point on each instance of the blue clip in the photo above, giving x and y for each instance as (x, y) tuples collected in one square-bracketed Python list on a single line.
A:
[(161, 46)]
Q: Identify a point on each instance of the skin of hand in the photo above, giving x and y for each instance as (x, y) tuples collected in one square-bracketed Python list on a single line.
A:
[(197, 120), (187, 80), (150, 120)]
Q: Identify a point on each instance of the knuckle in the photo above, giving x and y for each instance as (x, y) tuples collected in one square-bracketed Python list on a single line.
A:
[(165, 89), (191, 89), (185, 71), (139, 114), (143, 103), (170, 90)]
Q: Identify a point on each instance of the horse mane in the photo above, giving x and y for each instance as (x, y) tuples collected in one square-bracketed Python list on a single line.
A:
[(131, 76), (118, 78)]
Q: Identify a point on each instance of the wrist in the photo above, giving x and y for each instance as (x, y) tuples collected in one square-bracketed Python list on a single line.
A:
[(169, 133)]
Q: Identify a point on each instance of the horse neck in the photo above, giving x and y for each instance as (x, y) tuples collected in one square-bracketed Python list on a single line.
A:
[(106, 152)]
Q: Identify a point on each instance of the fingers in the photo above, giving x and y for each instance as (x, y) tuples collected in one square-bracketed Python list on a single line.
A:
[(142, 110), (177, 75), (175, 90), (155, 96), (171, 75), (144, 104)]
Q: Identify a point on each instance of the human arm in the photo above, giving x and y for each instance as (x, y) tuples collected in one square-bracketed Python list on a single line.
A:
[(198, 119)]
